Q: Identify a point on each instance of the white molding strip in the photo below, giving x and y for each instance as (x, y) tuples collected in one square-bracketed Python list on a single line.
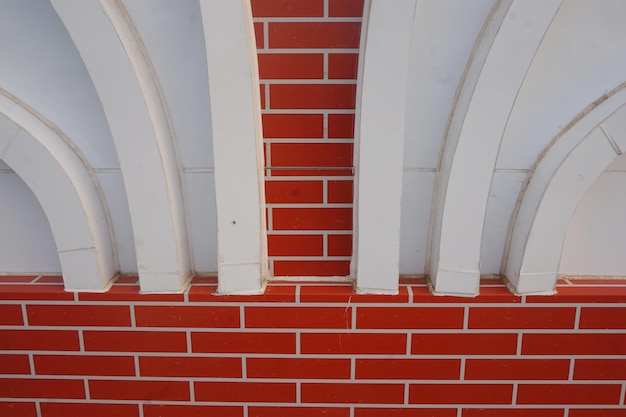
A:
[(238, 150), (379, 147), (499, 65)]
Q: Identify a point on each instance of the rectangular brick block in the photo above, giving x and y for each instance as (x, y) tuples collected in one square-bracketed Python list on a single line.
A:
[(11, 315), (91, 410), (129, 293), (273, 294), (314, 34), (517, 369), (293, 126), (343, 66), (578, 294), (298, 368), (140, 390), (178, 366), (340, 192), (352, 393), (259, 35), (21, 409), (295, 245), (151, 410), (513, 412), (313, 96), (245, 342), (344, 294), (340, 245), (568, 394), (187, 316), (345, 8), (291, 66), (312, 268), (285, 192), (287, 8), (600, 369), (39, 340), (84, 365), (135, 341), (405, 412), (341, 126), (353, 343), (460, 393), (312, 155), (464, 344), (602, 318), (279, 392), (408, 369), (574, 344), (254, 411), (14, 364), (35, 292), (522, 317), (299, 317), (78, 315), (312, 218), (41, 388), (409, 318), (597, 412)]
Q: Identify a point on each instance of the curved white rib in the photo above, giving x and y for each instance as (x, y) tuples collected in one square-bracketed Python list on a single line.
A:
[(383, 74), (130, 94), (501, 60), (237, 146), (68, 193)]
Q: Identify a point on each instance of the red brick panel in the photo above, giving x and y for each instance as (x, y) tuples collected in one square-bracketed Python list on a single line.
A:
[(78, 315), (35, 292), (464, 344), (254, 411), (91, 410), (187, 316), (568, 394), (299, 317), (341, 126), (243, 342), (516, 369), (290, 66), (597, 412), (140, 390), (343, 66), (522, 318), (353, 393), (183, 366), (293, 126), (284, 192), (11, 315), (340, 245), (312, 268), (311, 155), (409, 318), (460, 394), (150, 410), (353, 343), (258, 34), (42, 388), (135, 341), (340, 192), (345, 8), (574, 344), (298, 368), (405, 412), (287, 8), (603, 318), (314, 34), (303, 245), (408, 368), (513, 412), (600, 369), (312, 218), (21, 409), (14, 364), (84, 365), (245, 391), (39, 340), (313, 96)]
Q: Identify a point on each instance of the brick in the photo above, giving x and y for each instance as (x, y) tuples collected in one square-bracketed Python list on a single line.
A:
[(312, 218), (514, 412), (35, 292), (262, 95), (574, 344), (344, 294), (129, 279), (11, 315), (299, 317), (460, 393), (340, 192), (273, 294), (279, 392), (41, 388), (140, 390), (409, 318), (21, 409), (597, 412), (343, 66), (17, 278), (568, 393), (285, 192), (293, 126), (187, 316), (408, 369), (78, 315), (287, 8), (421, 294), (91, 410), (405, 412), (339, 245), (14, 364), (259, 35), (39, 340), (129, 293), (298, 368), (317, 172), (280, 411), (354, 393), (521, 318), (341, 126), (582, 295), (178, 366), (150, 410), (516, 369), (345, 8), (291, 66), (602, 318), (314, 34), (135, 341), (84, 365), (464, 344), (313, 155), (245, 342), (295, 245), (353, 343), (311, 268), (600, 369), (313, 96)]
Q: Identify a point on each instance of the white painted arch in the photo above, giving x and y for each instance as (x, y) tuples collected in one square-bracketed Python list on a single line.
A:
[(68, 192), (558, 181), (502, 56)]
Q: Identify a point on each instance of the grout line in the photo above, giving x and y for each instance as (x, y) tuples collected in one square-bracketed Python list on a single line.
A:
[(353, 368), (266, 35), (87, 392), (462, 370), (267, 96), (24, 315), (353, 317), (31, 363), (570, 376), (623, 394), (245, 410), (459, 412), (519, 345), (137, 368), (81, 340), (514, 394), (298, 392), (38, 408), (188, 340), (140, 406), (409, 337), (577, 318), (326, 9), (242, 317), (192, 391), (466, 312), (133, 320), (406, 393), (244, 367)]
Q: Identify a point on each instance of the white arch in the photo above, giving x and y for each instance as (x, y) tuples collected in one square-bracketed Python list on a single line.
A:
[(129, 90), (68, 192), (237, 145), (558, 181), (383, 74), (505, 51)]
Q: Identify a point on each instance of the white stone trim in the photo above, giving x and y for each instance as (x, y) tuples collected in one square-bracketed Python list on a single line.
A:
[(379, 147), (238, 149)]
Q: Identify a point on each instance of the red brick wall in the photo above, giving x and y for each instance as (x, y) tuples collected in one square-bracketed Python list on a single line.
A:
[(311, 350), (308, 56)]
